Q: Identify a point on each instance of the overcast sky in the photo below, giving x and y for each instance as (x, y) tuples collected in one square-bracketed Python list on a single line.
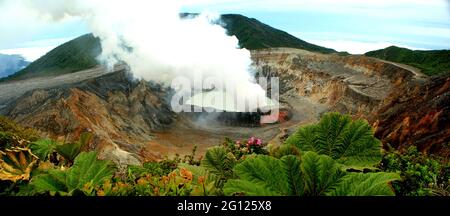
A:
[(356, 26)]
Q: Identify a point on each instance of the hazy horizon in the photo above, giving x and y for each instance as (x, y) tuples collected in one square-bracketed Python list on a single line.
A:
[(349, 25)]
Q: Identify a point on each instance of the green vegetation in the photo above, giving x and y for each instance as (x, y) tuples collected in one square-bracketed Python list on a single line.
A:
[(80, 53), (253, 34), (350, 143), (422, 175), (43, 148), (86, 172), (309, 175), (431, 62), (12, 134), (336, 157), (75, 55)]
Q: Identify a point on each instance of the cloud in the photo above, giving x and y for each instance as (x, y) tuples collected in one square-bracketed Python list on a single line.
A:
[(20, 24), (29, 53), (416, 23), (341, 6), (32, 50), (360, 43)]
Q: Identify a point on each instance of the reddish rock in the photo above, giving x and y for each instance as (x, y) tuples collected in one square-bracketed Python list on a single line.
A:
[(417, 114)]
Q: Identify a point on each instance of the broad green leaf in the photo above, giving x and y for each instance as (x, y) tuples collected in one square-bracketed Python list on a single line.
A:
[(85, 138), (312, 175), (87, 169), (366, 184), (54, 182), (320, 173), (69, 150), (264, 171), (294, 176), (220, 163), (43, 148), (350, 143)]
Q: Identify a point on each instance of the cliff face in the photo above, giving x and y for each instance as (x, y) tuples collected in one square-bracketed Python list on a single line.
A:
[(418, 114), (405, 107), (121, 113), (132, 120), (352, 84)]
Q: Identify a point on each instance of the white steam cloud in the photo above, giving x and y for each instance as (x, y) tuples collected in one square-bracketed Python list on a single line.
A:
[(157, 44)]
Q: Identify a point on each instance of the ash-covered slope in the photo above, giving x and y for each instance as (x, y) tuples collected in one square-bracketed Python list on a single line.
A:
[(120, 112), (132, 120)]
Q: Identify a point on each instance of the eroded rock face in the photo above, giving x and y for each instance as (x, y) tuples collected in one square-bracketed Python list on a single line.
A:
[(418, 114), (132, 120), (121, 113), (406, 108), (348, 84)]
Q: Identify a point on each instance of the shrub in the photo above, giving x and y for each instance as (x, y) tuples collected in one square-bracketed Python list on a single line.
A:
[(421, 174), (14, 135), (241, 148)]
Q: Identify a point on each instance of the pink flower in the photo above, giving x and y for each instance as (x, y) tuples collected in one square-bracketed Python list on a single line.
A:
[(251, 140), (258, 142)]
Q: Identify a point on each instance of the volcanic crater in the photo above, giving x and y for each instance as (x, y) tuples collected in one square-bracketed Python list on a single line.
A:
[(133, 122)]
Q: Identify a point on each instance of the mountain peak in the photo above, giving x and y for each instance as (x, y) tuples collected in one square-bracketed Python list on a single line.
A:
[(81, 53)]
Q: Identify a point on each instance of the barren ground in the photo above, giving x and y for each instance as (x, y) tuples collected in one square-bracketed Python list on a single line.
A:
[(134, 117)]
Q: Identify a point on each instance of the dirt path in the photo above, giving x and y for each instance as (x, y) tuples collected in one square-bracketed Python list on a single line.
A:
[(417, 72)]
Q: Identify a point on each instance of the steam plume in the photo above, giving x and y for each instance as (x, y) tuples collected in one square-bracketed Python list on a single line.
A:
[(157, 44)]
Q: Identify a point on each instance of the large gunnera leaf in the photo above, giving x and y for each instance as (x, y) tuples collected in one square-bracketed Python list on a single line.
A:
[(261, 176), (365, 184), (87, 169), (43, 148), (350, 143), (16, 164), (71, 150), (312, 175), (320, 173), (220, 163)]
